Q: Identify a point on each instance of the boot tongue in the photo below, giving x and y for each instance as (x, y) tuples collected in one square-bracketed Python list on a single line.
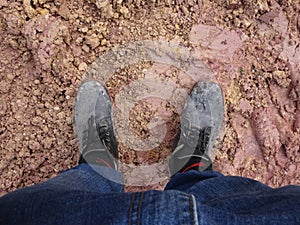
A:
[(107, 137), (203, 141)]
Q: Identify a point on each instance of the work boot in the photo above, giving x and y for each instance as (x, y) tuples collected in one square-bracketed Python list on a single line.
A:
[(94, 126), (200, 123)]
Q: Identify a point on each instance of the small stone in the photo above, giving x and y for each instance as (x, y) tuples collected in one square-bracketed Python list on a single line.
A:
[(84, 30), (34, 145), (64, 10), (168, 2), (36, 82), (103, 42), (43, 12), (185, 10), (124, 10), (26, 56), (61, 115), (69, 120), (281, 77), (116, 15), (56, 108), (93, 41), (263, 5), (42, 2), (30, 12), (47, 142), (85, 48), (79, 40), (82, 66), (101, 3), (247, 23), (108, 11), (36, 92), (45, 129), (10, 76)]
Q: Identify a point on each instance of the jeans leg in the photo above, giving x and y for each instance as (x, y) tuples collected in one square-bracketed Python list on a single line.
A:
[(237, 200), (81, 195), (84, 177)]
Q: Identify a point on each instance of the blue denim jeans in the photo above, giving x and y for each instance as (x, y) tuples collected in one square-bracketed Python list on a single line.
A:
[(82, 196)]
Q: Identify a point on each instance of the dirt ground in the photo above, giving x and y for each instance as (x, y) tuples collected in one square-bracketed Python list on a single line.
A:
[(251, 47)]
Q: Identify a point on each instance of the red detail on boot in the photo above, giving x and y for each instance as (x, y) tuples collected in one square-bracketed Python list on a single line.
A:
[(194, 165)]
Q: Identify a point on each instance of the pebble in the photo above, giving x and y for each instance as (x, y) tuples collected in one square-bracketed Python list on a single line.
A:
[(108, 11), (124, 10), (79, 40), (185, 11), (84, 30), (82, 66), (36, 82), (103, 42), (92, 41), (10, 76), (85, 48), (30, 12), (101, 3)]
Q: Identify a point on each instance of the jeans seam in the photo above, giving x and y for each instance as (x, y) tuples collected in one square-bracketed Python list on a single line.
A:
[(194, 220), (191, 209), (140, 208), (131, 208)]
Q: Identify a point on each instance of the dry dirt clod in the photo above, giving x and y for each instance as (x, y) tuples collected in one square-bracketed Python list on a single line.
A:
[(92, 41), (282, 78), (82, 66), (185, 10), (124, 11), (107, 11), (30, 12), (101, 3), (85, 48), (64, 10)]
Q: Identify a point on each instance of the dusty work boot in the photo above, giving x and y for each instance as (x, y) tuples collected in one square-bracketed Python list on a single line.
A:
[(200, 123), (94, 126)]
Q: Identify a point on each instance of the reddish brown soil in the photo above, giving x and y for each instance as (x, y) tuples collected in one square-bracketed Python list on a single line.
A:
[(251, 47)]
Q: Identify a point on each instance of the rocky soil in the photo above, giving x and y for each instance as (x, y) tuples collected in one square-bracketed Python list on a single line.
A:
[(252, 48)]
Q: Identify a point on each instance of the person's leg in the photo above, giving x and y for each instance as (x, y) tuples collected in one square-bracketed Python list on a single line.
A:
[(237, 200), (97, 169), (85, 177), (86, 193), (200, 123), (222, 199), (77, 196), (82, 178)]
